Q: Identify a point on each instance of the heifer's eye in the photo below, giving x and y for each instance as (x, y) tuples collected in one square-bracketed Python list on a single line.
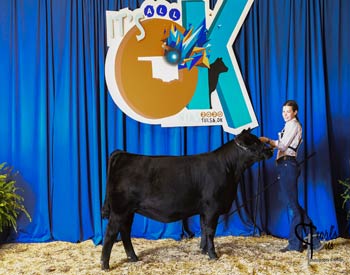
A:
[(251, 141)]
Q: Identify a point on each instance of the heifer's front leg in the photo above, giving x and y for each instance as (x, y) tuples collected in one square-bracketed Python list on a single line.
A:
[(211, 224), (110, 236), (125, 232)]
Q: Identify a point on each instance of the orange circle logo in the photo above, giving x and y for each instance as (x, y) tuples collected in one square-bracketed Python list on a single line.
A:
[(151, 96)]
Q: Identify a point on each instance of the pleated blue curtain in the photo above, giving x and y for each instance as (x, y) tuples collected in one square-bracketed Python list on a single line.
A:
[(297, 50), (59, 124)]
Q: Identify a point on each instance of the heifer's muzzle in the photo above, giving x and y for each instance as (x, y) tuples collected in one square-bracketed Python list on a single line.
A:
[(267, 151)]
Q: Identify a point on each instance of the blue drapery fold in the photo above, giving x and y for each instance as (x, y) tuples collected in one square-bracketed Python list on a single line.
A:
[(59, 124)]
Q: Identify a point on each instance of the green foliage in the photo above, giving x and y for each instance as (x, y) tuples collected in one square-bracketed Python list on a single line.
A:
[(11, 203), (346, 194)]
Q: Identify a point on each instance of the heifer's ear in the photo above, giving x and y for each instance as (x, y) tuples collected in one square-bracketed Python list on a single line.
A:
[(246, 130)]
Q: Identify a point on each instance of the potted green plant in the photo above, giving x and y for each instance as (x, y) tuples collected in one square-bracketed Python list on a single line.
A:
[(346, 194), (11, 203)]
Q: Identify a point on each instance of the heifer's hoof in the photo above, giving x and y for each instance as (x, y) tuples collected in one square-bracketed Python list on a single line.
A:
[(133, 259), (104, 266), (187, 236), (204, 248), (212, 255), (190, 236)]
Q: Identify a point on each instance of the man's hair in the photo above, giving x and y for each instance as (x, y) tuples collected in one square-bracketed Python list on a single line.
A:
[(294, 106)]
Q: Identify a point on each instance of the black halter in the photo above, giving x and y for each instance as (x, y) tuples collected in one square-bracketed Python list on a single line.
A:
[(241, 146)]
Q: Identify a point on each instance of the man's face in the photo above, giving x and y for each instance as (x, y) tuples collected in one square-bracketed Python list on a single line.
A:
[(288, 113)]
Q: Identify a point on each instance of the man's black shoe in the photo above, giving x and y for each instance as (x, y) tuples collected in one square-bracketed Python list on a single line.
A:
[(319, 247), (287, 248), (317, 244)]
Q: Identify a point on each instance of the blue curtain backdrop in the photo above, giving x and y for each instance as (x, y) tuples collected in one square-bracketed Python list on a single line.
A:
[(59, 124)]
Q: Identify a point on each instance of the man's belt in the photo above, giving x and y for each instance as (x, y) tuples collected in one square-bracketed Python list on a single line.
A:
[(285, 158)]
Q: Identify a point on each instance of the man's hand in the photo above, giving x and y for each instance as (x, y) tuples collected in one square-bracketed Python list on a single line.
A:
[(268, 141), (264, 139)]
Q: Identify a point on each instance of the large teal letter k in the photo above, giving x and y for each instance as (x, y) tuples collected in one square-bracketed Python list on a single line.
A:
[(228, 19)]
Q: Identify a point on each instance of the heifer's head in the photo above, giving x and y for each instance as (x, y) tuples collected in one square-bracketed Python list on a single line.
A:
[(252, 147)]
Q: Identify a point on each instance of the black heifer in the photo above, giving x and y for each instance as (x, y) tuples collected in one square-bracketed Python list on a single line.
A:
[(170, 188)]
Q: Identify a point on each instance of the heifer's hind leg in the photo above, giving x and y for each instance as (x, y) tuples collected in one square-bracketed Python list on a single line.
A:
[(203, 245), (125, 232), (110, 236), (186, 229)]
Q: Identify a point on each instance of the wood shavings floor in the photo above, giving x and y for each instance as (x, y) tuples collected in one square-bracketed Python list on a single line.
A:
[(237, 255)]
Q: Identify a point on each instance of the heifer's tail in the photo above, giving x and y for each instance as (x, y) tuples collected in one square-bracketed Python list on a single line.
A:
[(106, 209)]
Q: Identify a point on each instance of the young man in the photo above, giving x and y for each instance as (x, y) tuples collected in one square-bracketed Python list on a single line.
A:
[(287, 146)]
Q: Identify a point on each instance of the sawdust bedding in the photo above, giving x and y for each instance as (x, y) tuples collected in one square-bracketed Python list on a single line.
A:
[(237, 255)]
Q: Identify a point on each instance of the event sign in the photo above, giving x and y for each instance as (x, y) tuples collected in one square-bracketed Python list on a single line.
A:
[(173, 64)]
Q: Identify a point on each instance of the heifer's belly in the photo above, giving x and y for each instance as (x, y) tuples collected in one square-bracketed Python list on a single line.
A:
[(165, 211)]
